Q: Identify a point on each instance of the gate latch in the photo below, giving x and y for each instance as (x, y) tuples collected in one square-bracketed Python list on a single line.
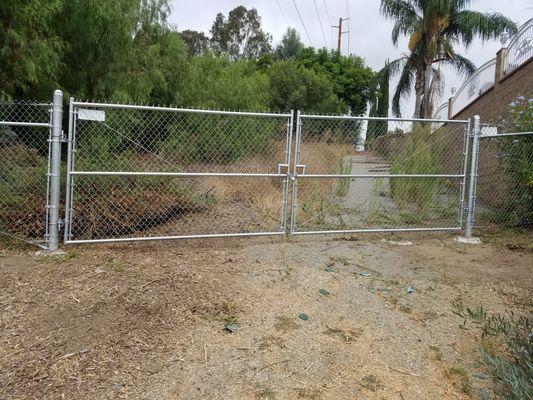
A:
[(302, 167), (282, 166), (60, 223)]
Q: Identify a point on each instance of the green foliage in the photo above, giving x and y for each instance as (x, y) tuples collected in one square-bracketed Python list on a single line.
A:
[(290, 47), (294, 87), (380, 107), (240, 36), (516, 155), (196, 42), (348, 74), (216, 83), (30, 50), (512, 365), (419, 155)]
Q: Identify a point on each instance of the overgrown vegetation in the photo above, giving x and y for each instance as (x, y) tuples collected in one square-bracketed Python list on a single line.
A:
[(510, 360), (419, 155), (516, 157)]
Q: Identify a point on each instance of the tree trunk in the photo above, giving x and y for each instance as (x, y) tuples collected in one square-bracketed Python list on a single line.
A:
[(426, 98), (419, 91)]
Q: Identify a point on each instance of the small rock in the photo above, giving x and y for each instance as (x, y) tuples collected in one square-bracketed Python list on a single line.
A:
[(303, 316), (484, 393), (232, 326), (118, 387), (99, 271)]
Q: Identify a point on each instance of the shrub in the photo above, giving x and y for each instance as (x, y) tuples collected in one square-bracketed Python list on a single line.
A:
[(511, 364), (419, 155)]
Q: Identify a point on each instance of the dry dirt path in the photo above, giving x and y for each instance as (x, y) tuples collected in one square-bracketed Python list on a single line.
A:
[(367, 339), (146, 321)]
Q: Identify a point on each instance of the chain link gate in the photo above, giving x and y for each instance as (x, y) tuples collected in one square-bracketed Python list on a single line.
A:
[(154, 173), (362, 174)]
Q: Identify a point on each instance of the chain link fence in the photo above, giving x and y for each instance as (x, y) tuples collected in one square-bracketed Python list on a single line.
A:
[(504, 187), (149, 172), (145, 173), (24, 170), (372, 174)]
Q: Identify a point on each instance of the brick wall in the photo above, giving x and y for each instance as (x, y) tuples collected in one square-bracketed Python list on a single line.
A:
[(492, 105), (495, 188)]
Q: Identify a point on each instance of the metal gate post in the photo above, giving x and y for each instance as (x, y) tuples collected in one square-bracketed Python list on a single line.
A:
[(294, 176), (473, 177), (55, 170)]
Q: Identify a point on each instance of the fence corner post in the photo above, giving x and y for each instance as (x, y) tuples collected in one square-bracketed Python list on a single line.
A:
[(473, 177), (55, 171)]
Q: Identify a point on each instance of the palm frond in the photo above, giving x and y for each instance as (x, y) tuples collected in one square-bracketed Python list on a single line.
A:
[(391, 68), (462, 64), (399, 10), (404, 87), (468, 24)]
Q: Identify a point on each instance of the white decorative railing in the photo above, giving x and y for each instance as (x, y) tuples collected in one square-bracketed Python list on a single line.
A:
[(441, 112), (476, 84), (520, 48)]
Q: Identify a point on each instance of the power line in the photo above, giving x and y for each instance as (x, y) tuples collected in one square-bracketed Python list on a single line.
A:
[(282, 13), (349, 23), (321, 27), (302, 21), (329, 21)]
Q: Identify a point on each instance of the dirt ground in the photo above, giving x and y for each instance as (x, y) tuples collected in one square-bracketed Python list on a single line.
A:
[(147, 320)]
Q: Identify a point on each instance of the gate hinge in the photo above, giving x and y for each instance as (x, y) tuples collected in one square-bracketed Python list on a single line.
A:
[(60, 223)]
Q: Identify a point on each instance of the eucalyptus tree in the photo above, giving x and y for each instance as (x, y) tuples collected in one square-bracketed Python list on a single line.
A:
[(434, 28), (240, 36)]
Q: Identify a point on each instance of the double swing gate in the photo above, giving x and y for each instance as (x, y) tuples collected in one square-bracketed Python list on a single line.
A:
[(134, 172), (153, 173)]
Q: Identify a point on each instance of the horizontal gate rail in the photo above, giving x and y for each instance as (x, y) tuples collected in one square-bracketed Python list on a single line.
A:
[(378, 230), (28, 124), (391, 119), (381, 176), (142, 173), (175, 109), (176, 237)]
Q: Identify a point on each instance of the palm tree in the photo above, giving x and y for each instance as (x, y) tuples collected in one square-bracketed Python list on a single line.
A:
[(434, 27)]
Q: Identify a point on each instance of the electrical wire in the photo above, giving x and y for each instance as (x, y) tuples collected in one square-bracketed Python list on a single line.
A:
[(282, 13), (321, 27), (302, 21), (349, 23), (329, 21)]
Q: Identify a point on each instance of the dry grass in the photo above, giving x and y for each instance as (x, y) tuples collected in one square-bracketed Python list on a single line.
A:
[(266, 196)]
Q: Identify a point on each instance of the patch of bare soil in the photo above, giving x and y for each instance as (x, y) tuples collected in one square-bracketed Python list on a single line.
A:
[(100, 322), (315, 318)]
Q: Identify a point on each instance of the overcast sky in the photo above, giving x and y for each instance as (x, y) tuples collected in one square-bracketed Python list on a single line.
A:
[(369, 35)]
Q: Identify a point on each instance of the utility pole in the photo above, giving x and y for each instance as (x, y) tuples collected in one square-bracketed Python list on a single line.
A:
[(340, 32)]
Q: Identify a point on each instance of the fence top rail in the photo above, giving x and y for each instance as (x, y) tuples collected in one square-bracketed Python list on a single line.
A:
[(29, 124), (493, 135), (175, 109), (354, 118)]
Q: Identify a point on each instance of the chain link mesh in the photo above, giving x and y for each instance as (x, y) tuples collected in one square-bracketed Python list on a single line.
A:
[(504, 196), (374, 147), (154, 141), (23, 169)]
